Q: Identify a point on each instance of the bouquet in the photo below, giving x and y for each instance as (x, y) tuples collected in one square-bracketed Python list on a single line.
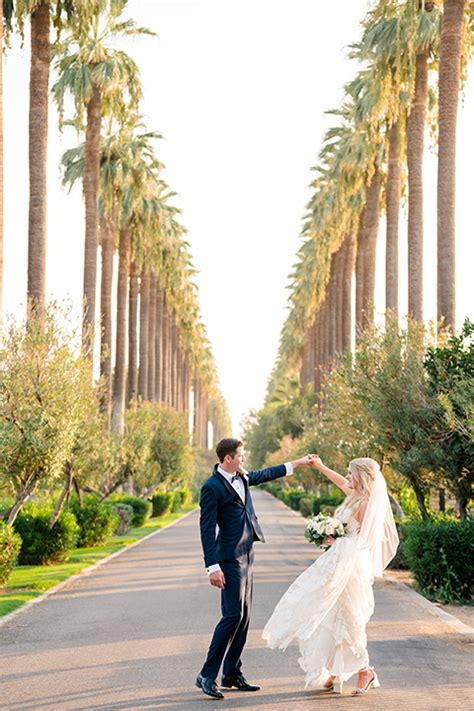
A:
[(322, 526)]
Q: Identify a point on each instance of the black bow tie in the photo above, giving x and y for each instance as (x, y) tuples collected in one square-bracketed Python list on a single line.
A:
[(235, 477)]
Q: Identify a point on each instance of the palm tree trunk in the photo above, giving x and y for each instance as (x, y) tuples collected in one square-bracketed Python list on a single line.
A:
[(415, 152), (204, 421), (360, 275), (144, 318), (174, 362), (165, 342), (120, 380), (332, 309), (451, 47), (91, 199), (338, 296), (371, 227), (196, 408), (1, 163), (392, 206), (325, 333), (304, 368), (187, 384), (159, 345), (107, 259), (132, 333), (348, 270), (151, 339), (317, 353), (38, 143)]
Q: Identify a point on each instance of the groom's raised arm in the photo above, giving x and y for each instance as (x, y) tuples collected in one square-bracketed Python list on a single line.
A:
[(271, 473), (207, 524)]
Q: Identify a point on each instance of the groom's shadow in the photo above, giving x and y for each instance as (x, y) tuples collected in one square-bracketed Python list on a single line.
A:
[(233, 699)]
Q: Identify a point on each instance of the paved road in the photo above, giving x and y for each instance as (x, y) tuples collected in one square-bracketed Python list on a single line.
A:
[(132, 635)]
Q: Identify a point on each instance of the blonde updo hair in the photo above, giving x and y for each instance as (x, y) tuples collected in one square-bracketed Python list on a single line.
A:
[(363, 471)]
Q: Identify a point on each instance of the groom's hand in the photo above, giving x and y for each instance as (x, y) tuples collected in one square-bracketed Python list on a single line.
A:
[(303, 461), (217, 579)]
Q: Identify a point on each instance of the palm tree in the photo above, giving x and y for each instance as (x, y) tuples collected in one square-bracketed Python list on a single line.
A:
[(159, 343), (451, 48), (393, 194), (119, 390), (144, 320), (100, 79), (1, 163), (134, 293), (151, 338), (415, 151), (40, 13), (38, 141)]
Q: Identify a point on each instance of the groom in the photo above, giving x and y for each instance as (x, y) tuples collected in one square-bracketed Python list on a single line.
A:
[(227, 503)]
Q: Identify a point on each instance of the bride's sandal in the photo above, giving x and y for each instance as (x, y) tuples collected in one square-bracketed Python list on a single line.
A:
[(329, 684), (373, 682), (333, 684)]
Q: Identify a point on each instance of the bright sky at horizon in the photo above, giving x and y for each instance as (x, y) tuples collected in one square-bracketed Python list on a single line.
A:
[(238, 89)]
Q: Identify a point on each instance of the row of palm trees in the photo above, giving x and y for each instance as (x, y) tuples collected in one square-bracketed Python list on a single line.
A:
[(161, 351), (413, 57)]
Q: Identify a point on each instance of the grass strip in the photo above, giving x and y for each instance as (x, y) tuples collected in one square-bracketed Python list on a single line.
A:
[(29, 581)]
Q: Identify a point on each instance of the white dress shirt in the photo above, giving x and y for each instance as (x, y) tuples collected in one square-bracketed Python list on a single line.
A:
[(239, 487)]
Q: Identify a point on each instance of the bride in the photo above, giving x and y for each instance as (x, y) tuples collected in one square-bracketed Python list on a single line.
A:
[(328, 606)]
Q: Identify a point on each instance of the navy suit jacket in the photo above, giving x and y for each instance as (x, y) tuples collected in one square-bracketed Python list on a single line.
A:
[(237, 523)]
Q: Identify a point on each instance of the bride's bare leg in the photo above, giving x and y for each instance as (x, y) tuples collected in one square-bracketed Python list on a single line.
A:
[(329, 683)]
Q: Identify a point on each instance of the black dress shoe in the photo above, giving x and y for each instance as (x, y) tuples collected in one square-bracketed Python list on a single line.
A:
[(239, 682), (208, 686)]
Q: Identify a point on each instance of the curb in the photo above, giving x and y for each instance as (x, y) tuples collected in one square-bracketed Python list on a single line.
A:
[(450, 620), (87, 571), (456, 625)]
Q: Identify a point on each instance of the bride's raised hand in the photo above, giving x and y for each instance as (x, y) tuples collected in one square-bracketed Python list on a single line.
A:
[(315, 461)]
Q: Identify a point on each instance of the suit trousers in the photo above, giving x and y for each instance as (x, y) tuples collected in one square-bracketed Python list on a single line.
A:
[(230, 634)]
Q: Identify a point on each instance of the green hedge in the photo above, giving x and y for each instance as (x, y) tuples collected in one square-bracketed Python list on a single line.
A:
[(10, 544), (42, 544), (305, 501), (440, 555), (97, 520), (162, 503), (141, 509), (181, 497), (125, 515)]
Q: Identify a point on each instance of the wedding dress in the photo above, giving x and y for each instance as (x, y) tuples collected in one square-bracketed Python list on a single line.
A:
[(327, 607)]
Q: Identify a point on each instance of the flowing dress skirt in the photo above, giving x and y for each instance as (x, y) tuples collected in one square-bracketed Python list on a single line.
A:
[(326, 611)]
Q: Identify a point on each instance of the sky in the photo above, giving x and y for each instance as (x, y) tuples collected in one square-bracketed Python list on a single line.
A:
[(239, 90)]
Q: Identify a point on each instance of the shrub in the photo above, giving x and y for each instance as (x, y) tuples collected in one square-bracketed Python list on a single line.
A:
[(306, 506), (141, 509), (183, 497), (125, 516), (327, 503), (97, 520), (440, 555), (399, 562), (42, 544), (294, 497), (162, 503), (10, 544)]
